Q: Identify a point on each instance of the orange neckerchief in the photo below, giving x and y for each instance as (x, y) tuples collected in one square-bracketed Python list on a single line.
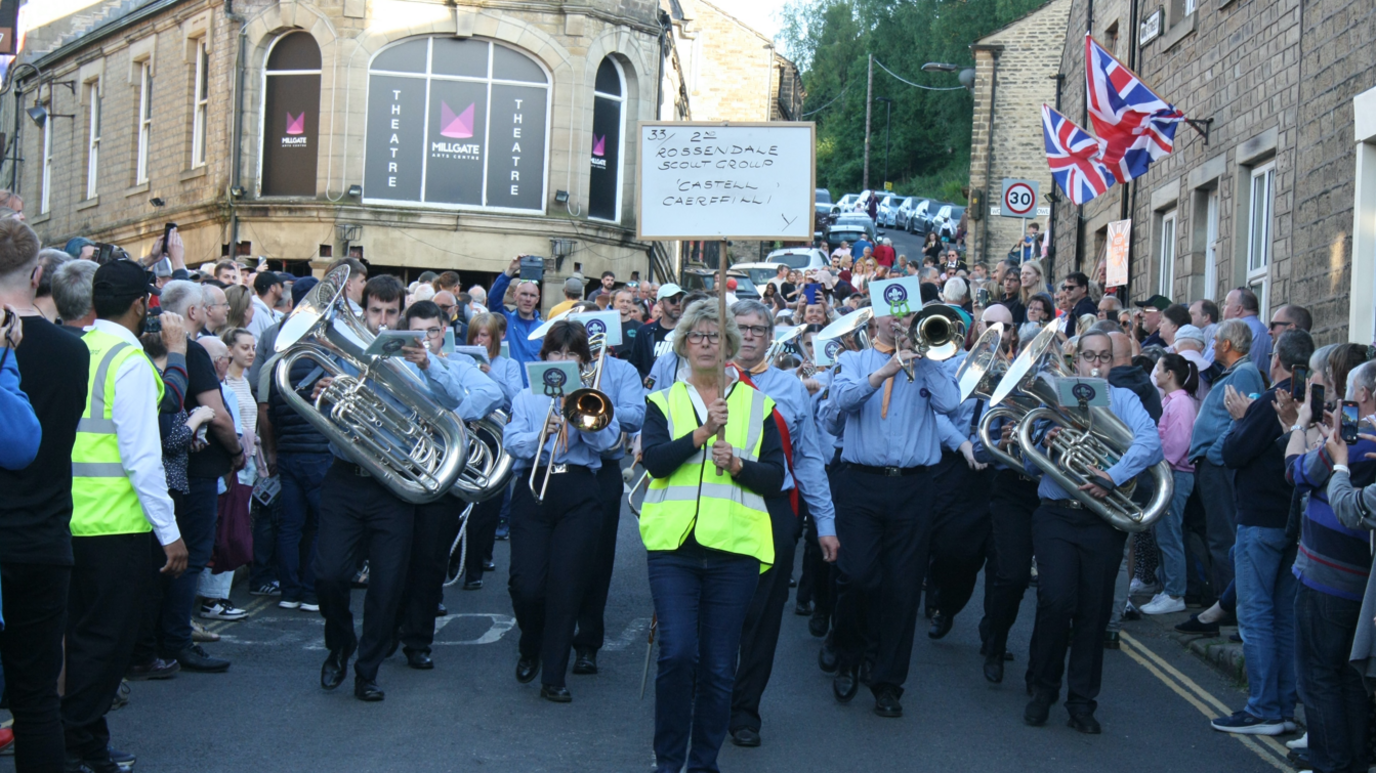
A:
[(884, 348)]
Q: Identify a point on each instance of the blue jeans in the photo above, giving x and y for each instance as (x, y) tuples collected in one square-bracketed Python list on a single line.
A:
[(299, 500), (197, 525), (701, 598), (1170, 536), (1335, 705), (1266, 619)]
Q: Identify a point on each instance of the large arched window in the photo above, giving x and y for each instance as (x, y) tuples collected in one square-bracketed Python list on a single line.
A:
[(456, 123), (291, 116), (604, 175)]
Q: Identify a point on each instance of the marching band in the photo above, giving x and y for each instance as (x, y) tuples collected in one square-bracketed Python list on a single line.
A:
[(918, 446)]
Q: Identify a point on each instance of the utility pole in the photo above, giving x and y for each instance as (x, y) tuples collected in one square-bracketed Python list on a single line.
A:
[(888, 105), (869, 99)]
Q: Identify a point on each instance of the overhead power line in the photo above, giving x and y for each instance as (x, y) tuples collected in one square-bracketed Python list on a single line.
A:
[(829, 104), (916, 85)]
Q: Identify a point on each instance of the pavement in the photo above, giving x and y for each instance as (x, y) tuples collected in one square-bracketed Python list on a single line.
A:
[(268, 713)]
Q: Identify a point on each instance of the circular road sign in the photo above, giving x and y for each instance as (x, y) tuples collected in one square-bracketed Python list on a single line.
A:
[(1019, 199)]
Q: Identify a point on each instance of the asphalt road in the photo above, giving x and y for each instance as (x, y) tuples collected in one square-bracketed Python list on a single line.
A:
[(268, 713)]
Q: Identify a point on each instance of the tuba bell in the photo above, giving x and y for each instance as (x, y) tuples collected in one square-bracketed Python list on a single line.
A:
[(417, 450), (489, 464)]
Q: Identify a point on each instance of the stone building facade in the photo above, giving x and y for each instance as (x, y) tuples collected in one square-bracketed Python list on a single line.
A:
[(730, 70), (1015, 73), (420, 134), (1274, 201)]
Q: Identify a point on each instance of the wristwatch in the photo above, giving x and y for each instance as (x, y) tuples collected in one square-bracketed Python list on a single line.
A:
[(1297, 427)]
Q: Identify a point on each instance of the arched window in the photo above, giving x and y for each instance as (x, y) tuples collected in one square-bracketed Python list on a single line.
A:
[(291, 116), (456, 123), (608, 124)]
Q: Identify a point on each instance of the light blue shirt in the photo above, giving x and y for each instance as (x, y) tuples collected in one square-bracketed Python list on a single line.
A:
[(954, 429), (793, 401), (507, 373), (1213, 420), (908, 436), (457, 379), (1145, 450), (621, 382), (528, 414), (828, 437)]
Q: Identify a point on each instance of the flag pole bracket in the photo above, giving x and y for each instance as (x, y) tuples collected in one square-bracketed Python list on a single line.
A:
[(1201, 125)]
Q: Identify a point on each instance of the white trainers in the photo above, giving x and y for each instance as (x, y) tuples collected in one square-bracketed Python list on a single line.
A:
[(221, 609), (1299, 743), (1162, 604), (1139, 588)]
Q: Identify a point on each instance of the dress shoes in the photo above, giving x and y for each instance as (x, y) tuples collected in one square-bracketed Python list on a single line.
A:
[(441, 610), (1195, 625), (993, 668), (585, 662), (818, 625), (555, 694), (803, 608), (826, 659), (473, 585), (845, 684), (157, 668), (886, 703), (336, 665), (527, 669), (488, 566), (367, 690), (1039, 709), (1085, 723), (195, 658), (419, 660), (745, 737), (941, 625)]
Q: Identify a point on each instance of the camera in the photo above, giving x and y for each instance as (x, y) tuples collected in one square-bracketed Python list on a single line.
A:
[(106, 253)]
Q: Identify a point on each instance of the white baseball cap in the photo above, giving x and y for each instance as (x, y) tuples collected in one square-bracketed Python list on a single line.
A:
[(668, 290)]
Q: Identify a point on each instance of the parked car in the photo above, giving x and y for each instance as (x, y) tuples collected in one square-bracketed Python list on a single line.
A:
[(846, 204), (799, 257), (947, 220), (822, 201), (910, 212), (888, 210), (761, 273), (849, 229), (705, 280), (929, 217)]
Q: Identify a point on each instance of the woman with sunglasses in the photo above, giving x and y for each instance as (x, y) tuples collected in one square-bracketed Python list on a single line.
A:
[(714, 455)]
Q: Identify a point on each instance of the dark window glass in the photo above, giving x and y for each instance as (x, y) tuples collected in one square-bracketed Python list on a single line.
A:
[(407, 57), (507, 65), (467, 58), (608, 82), (296, 51)]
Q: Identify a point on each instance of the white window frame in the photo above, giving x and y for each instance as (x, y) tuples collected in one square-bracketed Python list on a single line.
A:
[(621, 135), (1211, 246), (200, 103), (1165, 254), (1258, 225), (93, 131), (145, 121), (1190, 6), (45, 200)]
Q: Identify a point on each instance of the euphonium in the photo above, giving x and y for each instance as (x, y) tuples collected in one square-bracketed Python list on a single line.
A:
[(489, 464), (417, 450)]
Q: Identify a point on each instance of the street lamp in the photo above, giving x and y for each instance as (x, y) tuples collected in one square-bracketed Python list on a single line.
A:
[(888, 105), (966, 77)]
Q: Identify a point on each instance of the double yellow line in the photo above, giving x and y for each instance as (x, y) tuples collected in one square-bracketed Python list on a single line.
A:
[(1264, 746)]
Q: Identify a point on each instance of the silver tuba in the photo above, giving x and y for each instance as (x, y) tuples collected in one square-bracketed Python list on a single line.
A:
[(418, 451), (489, 464), (1089, 437)]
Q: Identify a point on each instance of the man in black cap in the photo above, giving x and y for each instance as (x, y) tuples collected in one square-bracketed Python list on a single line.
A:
[(119, 495), (1149, 326)]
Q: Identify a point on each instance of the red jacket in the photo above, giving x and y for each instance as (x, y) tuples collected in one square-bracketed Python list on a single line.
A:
[(884, 255)]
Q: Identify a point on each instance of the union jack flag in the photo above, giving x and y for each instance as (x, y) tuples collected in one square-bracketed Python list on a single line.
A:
[(1075, 158), (1137, 126)]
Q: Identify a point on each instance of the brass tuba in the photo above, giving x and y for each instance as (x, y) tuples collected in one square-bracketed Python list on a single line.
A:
[(489, 464), (1089, 437), (417, 450)]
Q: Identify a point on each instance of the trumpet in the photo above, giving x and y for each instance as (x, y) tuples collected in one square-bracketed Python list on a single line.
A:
[(587, 408)]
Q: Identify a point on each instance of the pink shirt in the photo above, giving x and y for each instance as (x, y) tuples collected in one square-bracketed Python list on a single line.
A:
[(1178, 412)]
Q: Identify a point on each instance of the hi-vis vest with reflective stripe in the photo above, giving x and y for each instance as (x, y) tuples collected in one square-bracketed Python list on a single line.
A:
[(721, 513), (103, 498)]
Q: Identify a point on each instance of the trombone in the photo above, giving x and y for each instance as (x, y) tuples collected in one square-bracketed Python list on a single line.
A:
[(937, 332), (587, 408)]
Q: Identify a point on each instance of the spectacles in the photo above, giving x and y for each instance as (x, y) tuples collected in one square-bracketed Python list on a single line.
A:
[(1096, 356), (433, 332), (756, 331), (1275, 325), (697, 337)]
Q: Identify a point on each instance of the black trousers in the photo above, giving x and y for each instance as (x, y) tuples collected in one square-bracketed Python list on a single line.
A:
[(482, 534), (960, 533), (883, 524), (35, 598), (591, 630), (1012, 501), (763, 619), (553, 548), (818, 581), (356, 514), (436, 526), (148, 644), (1078, 555), (104, 605)]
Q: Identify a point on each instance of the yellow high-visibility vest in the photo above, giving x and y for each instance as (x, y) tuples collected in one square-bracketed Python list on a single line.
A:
[(104, 501), (719, 512)]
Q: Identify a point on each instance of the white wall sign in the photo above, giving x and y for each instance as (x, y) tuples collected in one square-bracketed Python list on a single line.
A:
[(1150, 28), (725, 181)]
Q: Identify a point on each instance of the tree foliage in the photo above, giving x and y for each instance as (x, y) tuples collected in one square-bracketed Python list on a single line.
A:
[(929, 134)]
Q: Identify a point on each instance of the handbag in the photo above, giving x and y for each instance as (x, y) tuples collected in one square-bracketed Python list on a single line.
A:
[(234, 528)]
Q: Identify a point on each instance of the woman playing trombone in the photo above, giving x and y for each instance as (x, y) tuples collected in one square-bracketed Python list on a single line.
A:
[(553, 539), (714, 455)]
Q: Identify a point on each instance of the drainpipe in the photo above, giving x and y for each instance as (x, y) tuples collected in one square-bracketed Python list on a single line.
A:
[(236, 176)]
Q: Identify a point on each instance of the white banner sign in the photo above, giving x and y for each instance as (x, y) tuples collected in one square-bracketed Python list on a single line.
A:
[(725, 181)]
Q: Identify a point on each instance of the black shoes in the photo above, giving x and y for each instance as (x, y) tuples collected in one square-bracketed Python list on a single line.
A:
[(826, 659), (745, 737), (527, 669), (488, 566), (941, 625), (993, 668), (555, 694), (473, 585), (1193, 625), (802, 609), (368, 691), (886, 703), (441, 610), (818, 625), (336, 665), (1112, 641), (419, 660), (845, 684), (1039, 709), (195, 658), (157, 668), (585, 662), (1085, 723)]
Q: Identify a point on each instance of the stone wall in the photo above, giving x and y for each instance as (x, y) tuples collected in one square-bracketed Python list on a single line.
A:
[(728, 64)]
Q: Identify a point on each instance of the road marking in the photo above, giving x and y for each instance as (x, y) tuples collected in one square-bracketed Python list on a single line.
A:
[(632, 634), (1264, 747), (259, 631)]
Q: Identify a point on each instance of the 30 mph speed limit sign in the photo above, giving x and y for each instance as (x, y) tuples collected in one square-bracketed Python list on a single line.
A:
[(1019, 197)]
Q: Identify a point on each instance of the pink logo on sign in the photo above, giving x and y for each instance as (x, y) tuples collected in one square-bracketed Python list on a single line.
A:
[(457, 126), (296, 125), (599, 147)]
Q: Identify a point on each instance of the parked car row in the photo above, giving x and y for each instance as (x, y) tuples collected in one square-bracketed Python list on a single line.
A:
[(914, 214)]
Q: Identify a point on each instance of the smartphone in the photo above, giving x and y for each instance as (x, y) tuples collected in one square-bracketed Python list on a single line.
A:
[(1316, 403), (1298, 376), (167, 232), (449, 341), (982, 296), (1349, 422)]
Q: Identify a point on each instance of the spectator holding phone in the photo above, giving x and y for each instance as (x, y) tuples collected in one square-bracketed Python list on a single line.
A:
[(22, 430)]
